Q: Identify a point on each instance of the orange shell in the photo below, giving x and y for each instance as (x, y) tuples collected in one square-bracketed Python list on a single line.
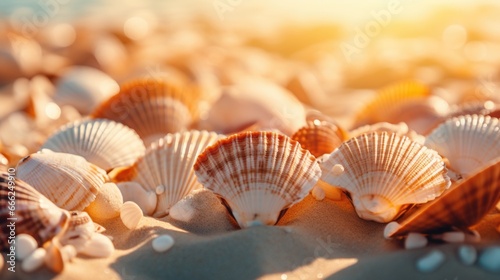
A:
[(320, 137)]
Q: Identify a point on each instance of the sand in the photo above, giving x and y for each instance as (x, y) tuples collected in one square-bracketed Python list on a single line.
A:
[(313, 240)]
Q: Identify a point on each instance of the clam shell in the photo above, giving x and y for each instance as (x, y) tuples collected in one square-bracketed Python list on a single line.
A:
[(105, 143), (130, 214), (258, 174), (463, 206), (384, 172), (167, 167), (319, 137), (468, 142), (36, 215), (152, 108), (68, 180)]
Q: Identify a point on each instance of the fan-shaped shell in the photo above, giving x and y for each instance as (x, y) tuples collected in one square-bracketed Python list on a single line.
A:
[(468, 142), (167, 167), (383, 172), (463, 206), (152, 108), (400, 129), (258, 174), (69, 181), (320, 137), (105, 143), (35, 214)]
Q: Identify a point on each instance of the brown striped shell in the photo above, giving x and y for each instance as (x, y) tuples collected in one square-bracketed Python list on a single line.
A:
[(152, 107), (463, 206), (68, 180), (34, 214), (383, 172), (320, 137), (258, 174)]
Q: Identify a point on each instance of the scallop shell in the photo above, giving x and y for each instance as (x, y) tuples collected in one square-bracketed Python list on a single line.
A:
[(105, 143), (68, 180), (400, 129), (463, 206), (384, 172), (258, 174), (35, 214), (167, 167), (152, 108), (320, 137), (468, 142)]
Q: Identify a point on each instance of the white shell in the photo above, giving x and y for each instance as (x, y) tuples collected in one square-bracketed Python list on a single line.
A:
[(105, 143), (453, 237), (430, 262), (467, 254), (130, 214), (490, 259), (99, 246), (163, 243), (415, 240), (80, 230), (68, 180), (34, 261), (468, 142), (25, 245), (84, 88), (383, 172), (132, 191), (183, 210), (400, 129), (167, 167), (258, 174)]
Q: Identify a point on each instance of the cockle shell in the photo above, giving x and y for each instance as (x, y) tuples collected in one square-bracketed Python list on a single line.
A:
[(463, 206), (400, 129), (105, 143), (84, 88), (152, 107), (35, 214), (258, 174), (320, 137), (468, 142), (384, 172), (167, 167), (68, 180)]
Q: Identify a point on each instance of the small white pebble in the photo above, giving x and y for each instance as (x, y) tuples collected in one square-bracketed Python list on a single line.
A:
[(430, 262), (26, 245), (337, 169), (467, 254), (288, 229), (130, 214), (489, 259), (34, 261), (415, 240), (160, 189), (162, 243), (453, 237), (390, 228), (99, 246), (318, 193), (68, 252)]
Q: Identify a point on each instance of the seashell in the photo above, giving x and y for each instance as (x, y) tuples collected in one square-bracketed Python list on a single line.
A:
[(99, 246), (80, 230), (489, 259), (130, 214), (84, 88), (432, 261), (468, 142), (34, 261), (132, 191), (467, 254), (105, 143), (25, 245), (163, 243), (384, 172), (36, 215), (463, 206), (258, 174), (152, 108), (320, 137), (107, 203), (167, 167), (400, 129), (68, 180)]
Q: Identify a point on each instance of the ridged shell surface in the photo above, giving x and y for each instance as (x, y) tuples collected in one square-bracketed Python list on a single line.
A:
[(383, 172), (319, 137), (258, 174), (105, 143), (468, 142)]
